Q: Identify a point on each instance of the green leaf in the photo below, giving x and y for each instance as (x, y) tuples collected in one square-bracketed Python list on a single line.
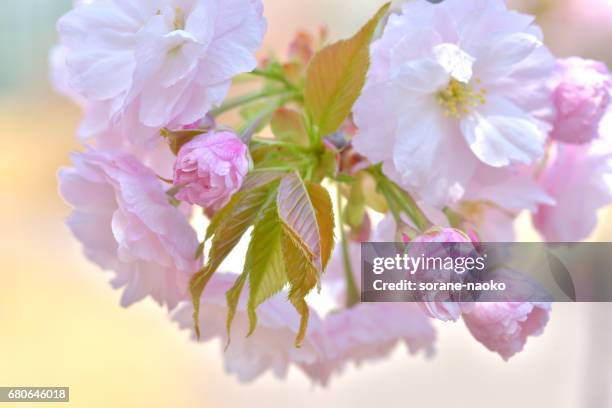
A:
[(232, 297), (298, 217), (321, 201), (306, 215), (275, 157), (287, 125), (336, 76), (260, 152), (257, 179), (264, 262), (302, 277), (226, 229), (253, 181), (221, 215)]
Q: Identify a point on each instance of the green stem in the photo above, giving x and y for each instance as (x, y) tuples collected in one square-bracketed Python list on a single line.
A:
[(454, 219), (265, 112), (274, 77), (248, 98), (280, 143), (352, 293), (399, 199), (395, 211), (412, 209), (314, 135)]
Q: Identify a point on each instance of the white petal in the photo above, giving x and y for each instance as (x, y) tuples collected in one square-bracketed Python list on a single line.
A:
[(530, 86), (514, 188), (374, 115), (499, 134), (143, 71), (500, 55), (157, 103), (201, 23), (181, 57), (456, 62), (96, 120), (422, 76), (238, 32), (431, 157), (199, 100)]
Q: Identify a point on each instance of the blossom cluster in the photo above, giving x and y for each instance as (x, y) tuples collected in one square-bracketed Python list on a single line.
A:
[(462, 120)]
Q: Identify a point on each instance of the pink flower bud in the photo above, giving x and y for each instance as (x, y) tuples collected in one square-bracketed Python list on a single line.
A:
[(442, 235), (581, 100), (210, 169), (504, 327), (301, 47), (423, 244)]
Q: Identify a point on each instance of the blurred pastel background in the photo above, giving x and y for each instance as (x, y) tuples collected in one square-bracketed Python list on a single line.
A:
[(61, 323)]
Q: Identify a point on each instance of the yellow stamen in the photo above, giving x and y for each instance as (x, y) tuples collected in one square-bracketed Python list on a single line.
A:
[(475, 211), (179, 19), (458, 99)]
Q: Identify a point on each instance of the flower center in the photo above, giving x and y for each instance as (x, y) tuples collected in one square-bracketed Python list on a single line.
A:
[(473, 210), (458, 98), (179, 19)]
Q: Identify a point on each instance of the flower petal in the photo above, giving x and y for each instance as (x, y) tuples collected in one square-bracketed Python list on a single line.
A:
[(499, 134), (500, 54), (430, 156)]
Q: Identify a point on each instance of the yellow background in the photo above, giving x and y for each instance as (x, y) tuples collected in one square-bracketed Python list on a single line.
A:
[(61, 323)]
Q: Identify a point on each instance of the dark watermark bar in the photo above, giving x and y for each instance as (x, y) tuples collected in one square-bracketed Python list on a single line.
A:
[(34, 394), (486, 272)]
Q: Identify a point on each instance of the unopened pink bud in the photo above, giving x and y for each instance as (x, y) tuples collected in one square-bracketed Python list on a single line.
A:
[(210, 169), (581, 99)]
